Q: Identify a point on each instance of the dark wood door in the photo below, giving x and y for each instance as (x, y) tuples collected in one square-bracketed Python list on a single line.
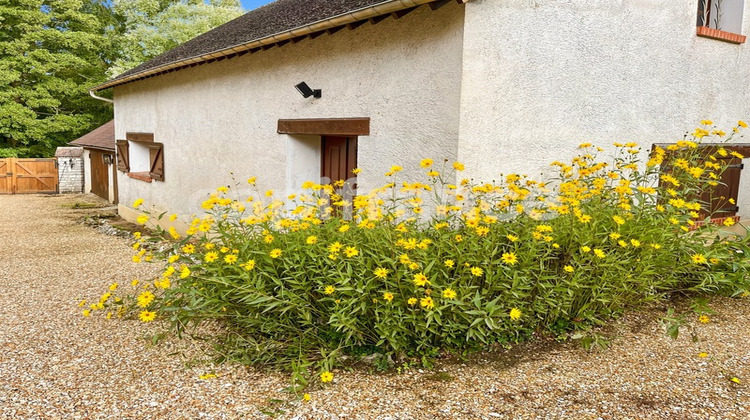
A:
[(339, 158), (99, 174), (722, 199)]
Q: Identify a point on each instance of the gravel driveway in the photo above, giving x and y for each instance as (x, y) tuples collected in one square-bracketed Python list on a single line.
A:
[(56, 364)]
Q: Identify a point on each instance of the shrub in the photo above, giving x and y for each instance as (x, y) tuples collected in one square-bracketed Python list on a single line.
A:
[(427, 266)]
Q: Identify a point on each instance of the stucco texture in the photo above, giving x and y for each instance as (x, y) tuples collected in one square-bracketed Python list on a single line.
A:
[(541, 77), (218, 121)]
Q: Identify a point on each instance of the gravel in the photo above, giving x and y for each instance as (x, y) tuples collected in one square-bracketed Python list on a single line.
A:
[(54, 363)]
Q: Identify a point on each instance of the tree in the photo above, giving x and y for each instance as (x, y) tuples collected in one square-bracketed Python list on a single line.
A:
[(51, 52), (151, 27)]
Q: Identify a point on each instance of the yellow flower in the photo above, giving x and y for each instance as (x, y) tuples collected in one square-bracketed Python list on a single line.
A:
[(306, 397), (311, 240), (268, 239), (269, 193), (728, 222), (185, 272), (420, 280), (147, 316), (476, 271), (458, 166), (344, 228), (145, 298), (351, 251), (735, 380), (86, 312), (569, 268), (412, 301), (388, 296), (449, 293), (699, 259), (707, 122), (704, 319), (142, 219), (335, 247), (230, 259), (211, 257), (512, 238), (585, 249), (742, 124), (515, 314), (636, 243), (599, 253), (113, 287), (619, 220), (137, 203), (449, 263), (509, 258), (702, 355), (329, 290), (356, 171), (381, 272), (275, 253), (426, 302), (326, 377), (426, 163), (615, 235)]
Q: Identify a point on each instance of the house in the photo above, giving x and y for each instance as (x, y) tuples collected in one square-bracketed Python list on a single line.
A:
[(100, 174), (500, 85)]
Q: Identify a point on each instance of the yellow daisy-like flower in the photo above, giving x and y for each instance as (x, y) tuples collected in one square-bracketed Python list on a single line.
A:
[(449, 263), (585, 249), (515, 314), (458, 166), (426, 163), (306, 397), (699, 259), (113, 287), (211, 256), (476, 271), (86, 312), (420, 279), (449, 293), (412, 301), (703, 355), (188, 249), (275, 253), (145, 298), (704, 319), (326, 377), (380, 272), (230, 259), (147, 316), (387, 296), (728, 222), (344, 228), (249, 265), (569, 269), (599, 253), (636, 243), (312, 239), (619, 220), (185, 272), (512, 238), (615, 235), (351, 251), (742, 124), (329, 290), (137, 203), (427, 302), (509, 258), (356, 171), (142, 219)]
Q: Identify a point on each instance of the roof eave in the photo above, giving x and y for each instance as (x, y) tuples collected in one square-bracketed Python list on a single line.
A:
[(386, 7)]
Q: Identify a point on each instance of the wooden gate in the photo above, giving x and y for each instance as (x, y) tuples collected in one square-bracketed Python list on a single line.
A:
[(28, 176)]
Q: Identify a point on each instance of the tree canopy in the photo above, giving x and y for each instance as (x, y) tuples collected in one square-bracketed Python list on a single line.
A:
[(53, 51)]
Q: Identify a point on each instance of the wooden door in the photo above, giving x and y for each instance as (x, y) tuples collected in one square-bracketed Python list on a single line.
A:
[(722, 199), (32, 176), (6, 176), (99, 174), (339, 158)]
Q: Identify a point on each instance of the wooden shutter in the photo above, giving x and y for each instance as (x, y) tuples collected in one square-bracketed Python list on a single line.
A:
[(156, 153), (123, 156)]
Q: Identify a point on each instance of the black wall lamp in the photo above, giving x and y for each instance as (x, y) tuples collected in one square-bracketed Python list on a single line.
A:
[(307, 92)]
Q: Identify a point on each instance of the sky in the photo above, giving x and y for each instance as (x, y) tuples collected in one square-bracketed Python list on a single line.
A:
[(252, 4)]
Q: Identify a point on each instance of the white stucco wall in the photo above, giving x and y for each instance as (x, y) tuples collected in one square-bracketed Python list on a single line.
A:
[(221, 118), (540, 77), (86, 171)]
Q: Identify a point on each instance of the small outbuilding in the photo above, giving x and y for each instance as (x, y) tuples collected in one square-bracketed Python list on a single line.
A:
[(100, 175)]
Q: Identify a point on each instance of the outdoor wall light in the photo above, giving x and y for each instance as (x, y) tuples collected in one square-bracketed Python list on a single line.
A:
[(305, 91)]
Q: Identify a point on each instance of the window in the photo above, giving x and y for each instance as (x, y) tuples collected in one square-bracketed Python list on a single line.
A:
[(721, 19), (140, 157)]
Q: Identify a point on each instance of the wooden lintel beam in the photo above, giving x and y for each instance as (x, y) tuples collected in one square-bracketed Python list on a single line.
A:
[(402, 13), (326, 126), (438, 4), (141, 137)]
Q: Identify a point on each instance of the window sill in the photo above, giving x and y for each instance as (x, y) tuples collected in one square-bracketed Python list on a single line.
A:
[(707, 32), (141, 176)]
